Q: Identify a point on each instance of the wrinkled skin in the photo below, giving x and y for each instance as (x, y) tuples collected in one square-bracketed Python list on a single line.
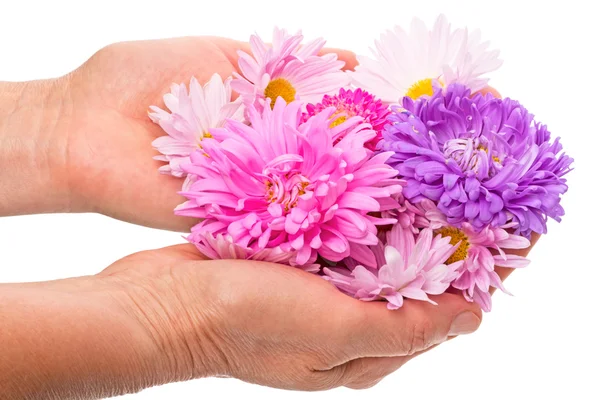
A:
[(275, 326)]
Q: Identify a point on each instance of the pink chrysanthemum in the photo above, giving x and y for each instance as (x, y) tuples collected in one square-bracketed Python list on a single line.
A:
[(351, 103), (281, 184), (409, 266), (288, 70), (476, 275), (191, 116)]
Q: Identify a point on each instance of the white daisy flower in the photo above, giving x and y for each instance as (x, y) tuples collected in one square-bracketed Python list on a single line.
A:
[(413, 63)]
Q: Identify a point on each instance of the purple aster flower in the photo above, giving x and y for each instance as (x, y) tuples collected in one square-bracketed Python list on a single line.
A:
[(352, 103), (483, 160)]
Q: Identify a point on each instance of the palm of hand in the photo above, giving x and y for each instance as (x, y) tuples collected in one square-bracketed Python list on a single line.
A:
[(109, 138), (271, 325), (246, 319)]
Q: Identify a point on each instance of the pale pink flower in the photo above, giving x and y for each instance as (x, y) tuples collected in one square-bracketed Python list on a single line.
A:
[(409, 266), (287, 69), (477, 274), (415, 62), (222, 246), (190, 116), (306, 188)]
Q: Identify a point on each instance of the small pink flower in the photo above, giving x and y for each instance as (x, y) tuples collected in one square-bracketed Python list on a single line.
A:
[(288, 70), (351, 103), (222, 246), (306, 188), (191, 116), (477, 274), (409, 266)]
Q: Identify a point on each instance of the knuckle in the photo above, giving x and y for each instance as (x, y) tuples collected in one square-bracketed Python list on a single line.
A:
[(419, 338), (108, 50)]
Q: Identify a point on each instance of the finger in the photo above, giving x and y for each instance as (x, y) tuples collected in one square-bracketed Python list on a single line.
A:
[(230, 47), (361, 373), (491, 90), (347, 56), (375, 331), (364, 373)]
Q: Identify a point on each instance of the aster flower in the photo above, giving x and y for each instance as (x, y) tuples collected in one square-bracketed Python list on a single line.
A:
[(305, 188), (350, 103), (474, 248), (191, 116), (414, 63), (288, 70), (409, 266), (483, 160), (222, 246)]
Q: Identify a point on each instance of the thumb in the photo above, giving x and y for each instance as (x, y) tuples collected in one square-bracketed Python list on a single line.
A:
[(491, 90), (415, 327), (346, 56)]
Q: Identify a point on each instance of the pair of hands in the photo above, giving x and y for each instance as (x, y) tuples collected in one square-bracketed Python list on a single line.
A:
[(185, 317)]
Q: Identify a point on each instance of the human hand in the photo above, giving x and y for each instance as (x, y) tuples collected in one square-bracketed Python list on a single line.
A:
[(278, 326), (167, 315), (97, 134)]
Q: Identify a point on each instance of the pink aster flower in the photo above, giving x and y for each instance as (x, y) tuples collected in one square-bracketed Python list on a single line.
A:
[(350, 103), (222, 246), (409, 266), (191, 116), (305, 188), (288, 70), (477, 274)]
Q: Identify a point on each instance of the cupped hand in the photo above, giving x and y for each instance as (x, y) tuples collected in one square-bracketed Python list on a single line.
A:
[(108, 135), (273, 325)]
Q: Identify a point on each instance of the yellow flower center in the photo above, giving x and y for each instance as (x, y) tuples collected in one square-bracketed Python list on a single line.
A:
[(280, 88), (456, 235), (421, 88), (285, 190), (204, 136), (337, 121), (495, 158)]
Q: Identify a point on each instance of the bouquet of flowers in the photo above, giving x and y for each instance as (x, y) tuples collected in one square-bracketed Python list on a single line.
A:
[(401, 179)]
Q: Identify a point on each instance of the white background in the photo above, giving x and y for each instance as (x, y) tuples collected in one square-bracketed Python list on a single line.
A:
[(541, 343)]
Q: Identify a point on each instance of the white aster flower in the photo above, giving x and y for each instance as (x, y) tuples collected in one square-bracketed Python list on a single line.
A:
[(413, 63)]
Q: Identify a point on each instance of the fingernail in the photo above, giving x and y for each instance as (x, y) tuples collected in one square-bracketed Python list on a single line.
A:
[(464, 323)]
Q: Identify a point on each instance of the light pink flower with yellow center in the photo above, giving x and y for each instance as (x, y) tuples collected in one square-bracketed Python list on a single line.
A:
[(288, 70), (409, 267), (474, 249), (190, 116)]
